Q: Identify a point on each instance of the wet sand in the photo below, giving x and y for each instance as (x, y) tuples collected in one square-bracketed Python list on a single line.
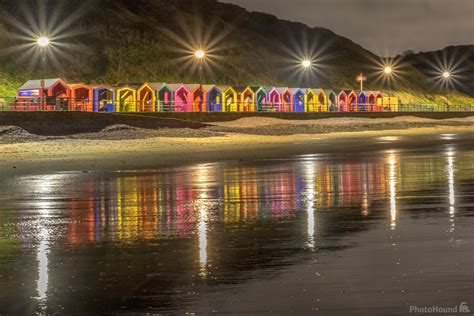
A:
[(84, 154)]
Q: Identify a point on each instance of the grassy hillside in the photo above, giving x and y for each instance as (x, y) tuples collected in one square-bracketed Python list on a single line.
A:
[(112, 41)]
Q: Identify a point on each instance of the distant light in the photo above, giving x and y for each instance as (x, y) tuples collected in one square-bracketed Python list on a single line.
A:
[(200, 54), (388, 70), (306, 63), (43, 41), (446, 74)]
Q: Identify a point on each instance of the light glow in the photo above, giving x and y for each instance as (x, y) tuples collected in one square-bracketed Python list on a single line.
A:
[(446, 74), (43, 41), (200, 54), (306, 63), (388, 70)]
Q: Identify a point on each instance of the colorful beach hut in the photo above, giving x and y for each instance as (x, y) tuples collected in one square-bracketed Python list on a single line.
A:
[(53, 94), (164, 96), (246, 99), (322, 100), (126, 97), (311, 101), (261, 98), (342, 102), (363, 101), (390, 103), (352, 99), (298, 99), (103, 99), (181, 97), (198, 97), (82, 97), (331, 100), (213, 98), (229, 99), (146, 98)]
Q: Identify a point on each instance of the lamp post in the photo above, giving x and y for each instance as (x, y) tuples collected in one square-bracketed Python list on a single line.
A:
[(388, 72), (447, 78), (200, 55), (43, 42)]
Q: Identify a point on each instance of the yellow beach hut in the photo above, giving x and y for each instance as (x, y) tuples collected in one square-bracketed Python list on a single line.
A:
[(229, 99), (310, 101), (126, 97), (146, 98), (322, 100)]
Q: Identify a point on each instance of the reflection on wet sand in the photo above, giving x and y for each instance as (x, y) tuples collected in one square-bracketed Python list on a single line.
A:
[(208, 212)]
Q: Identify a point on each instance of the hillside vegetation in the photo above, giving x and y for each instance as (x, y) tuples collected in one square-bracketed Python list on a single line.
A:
[(109, 41)]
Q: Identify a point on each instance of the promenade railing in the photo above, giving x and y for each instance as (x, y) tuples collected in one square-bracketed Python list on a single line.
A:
[(85, 105)]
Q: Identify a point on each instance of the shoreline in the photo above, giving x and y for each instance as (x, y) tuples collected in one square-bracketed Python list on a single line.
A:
[(92, 155)]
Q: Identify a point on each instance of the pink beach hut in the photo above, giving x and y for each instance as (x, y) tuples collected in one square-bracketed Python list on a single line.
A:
[(181, 97)]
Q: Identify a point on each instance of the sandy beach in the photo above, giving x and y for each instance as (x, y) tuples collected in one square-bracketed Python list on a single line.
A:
[(122, 147)]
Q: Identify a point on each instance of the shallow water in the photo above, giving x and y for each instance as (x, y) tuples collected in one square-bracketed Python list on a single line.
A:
[(368, 233)]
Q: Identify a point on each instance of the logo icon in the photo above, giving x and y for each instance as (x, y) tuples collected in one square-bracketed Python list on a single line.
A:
[(464, 308)]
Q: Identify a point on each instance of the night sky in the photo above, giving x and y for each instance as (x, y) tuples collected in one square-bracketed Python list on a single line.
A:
[(386, 27)]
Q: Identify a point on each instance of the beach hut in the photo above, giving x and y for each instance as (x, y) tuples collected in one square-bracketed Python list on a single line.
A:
[(53, 94), (363, 101), (198, 97), (164, 96), (229, 99), (280, 99), (213, 98), (342, 102), (352, 101), (286, 99), (261, 98), (373, 100), (322, 100), (82, 97), (146, 98), (181, 97), (298, 99), (311, 101), (103, 99), (246, 99), (126, 97), (390, 103), (331, 100)]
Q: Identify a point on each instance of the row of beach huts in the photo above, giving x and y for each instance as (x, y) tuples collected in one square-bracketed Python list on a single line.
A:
[(56, 94)]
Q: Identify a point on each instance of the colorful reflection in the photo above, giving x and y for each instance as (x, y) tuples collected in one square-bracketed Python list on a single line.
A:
[(201, 205)]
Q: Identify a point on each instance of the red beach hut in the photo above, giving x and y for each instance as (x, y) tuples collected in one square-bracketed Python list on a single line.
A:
[(53, 94)]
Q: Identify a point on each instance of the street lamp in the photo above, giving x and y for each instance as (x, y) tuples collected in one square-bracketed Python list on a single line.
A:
[(43, 42), (200, 55), (388, 71), (447, 78), (306, 63)]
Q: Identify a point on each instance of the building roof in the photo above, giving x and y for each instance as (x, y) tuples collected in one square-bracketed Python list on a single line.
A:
[(295, 90), (36, 84), (175, 86), (241, 89), (155, 85)]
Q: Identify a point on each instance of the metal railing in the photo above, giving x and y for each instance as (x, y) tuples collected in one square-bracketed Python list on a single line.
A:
[(84, 105)]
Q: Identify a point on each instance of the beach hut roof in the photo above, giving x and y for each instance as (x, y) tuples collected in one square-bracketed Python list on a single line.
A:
[(329, 91), (225, 88), (36, 84), (208, 87), (155, 85), (319, 91), (295, 90), (240, 89), (132, 86), (175, 86), (256, 89), (281, 90)]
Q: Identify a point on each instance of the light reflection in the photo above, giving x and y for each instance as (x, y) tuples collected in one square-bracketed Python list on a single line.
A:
[(451, 190), (310, 167), (203, 180), (393, 190)]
